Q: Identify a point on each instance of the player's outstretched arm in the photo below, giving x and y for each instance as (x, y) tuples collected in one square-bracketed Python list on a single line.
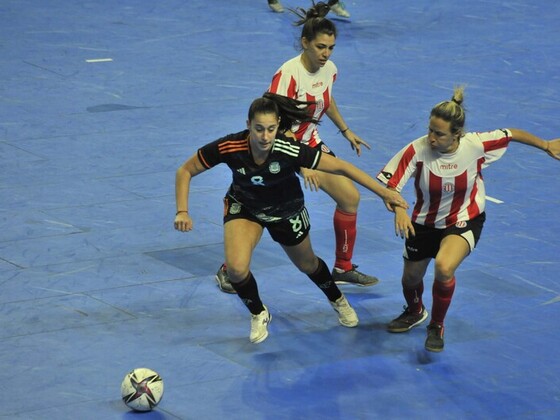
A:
[(551, 147), (337, 166)]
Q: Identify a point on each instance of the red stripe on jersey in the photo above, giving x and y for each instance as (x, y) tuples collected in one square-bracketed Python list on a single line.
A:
[(326, 100), (496, 144), (460, 189), (290, 92), (419, 194), (473, 208), (435, 187), (401, 168)]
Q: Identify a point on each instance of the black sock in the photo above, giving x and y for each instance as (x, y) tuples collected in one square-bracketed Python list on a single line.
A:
[(248, 292), (323, 279)]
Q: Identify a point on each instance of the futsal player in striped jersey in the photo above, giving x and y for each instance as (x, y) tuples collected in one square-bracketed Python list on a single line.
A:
[(448, 215), (266, 193)]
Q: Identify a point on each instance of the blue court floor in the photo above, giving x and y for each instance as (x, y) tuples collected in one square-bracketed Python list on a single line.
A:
[(102, 100)]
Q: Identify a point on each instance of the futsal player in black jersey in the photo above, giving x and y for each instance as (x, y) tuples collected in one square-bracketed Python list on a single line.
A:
[(266, 193)]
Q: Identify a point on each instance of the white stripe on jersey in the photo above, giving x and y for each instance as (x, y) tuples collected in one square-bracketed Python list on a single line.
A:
[(286, 147)]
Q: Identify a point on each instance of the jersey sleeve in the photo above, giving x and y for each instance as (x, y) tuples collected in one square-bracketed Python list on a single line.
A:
[(495, 144), (284, 83), (215, 152), (297, 153), (399, 169), (209, 155)]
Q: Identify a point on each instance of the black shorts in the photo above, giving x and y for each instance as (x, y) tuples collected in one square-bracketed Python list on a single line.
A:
[(287, 232), (426, 242)]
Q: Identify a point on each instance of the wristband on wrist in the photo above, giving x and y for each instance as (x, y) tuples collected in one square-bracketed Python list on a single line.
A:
[(182, 211)]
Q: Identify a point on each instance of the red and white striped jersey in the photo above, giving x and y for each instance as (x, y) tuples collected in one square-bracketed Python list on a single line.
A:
[(294, 81), (449, 186)]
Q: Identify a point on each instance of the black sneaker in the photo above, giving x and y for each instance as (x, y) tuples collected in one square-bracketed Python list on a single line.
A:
[(434, 342), (407, 320), (222, 279), (353, 276)]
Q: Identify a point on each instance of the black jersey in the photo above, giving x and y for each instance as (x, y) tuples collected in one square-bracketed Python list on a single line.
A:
[(271, 191)]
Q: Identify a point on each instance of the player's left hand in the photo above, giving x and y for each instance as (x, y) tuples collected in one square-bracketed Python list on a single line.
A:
[(393, 199), (554, 148), (403, 225), (310, 179), (183, 222), (355, 141)]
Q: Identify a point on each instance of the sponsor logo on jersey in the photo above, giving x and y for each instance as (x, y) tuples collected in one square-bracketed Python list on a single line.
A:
[(257, 180), (241, 171), (235, 208), (461, 224), (448, 166), (274, 167), (317, 85)]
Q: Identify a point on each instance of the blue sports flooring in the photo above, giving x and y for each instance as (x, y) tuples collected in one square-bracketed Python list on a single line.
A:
[(94, 280)]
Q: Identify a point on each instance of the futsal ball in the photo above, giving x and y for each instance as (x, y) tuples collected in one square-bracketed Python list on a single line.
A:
[(142, 389)]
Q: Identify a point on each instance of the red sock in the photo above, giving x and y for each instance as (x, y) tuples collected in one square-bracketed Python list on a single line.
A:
[(345, 236), (442, 294), (413, 298)]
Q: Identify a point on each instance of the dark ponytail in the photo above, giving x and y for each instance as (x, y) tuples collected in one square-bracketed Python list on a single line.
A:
[(291, 111)]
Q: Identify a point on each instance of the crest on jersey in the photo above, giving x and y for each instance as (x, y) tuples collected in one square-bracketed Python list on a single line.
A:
[(235, 208), (461, 224), (274, 167), (448, 187)]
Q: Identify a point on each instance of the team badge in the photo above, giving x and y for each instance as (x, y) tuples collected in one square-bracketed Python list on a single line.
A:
[(461, 224), (325, 148), (235, 208), (274, 167), (448, 187)]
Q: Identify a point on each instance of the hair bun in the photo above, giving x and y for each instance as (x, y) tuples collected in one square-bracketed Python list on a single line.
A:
[(318, 10)]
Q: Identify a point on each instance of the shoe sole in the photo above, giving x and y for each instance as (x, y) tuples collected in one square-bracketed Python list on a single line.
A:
[(231, 292), (434, 350), (348, 325), (356, 284), (401, 330), (261, 339)]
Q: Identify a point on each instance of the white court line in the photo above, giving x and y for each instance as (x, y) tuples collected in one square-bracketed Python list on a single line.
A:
[(494, 200), (98, 60)]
